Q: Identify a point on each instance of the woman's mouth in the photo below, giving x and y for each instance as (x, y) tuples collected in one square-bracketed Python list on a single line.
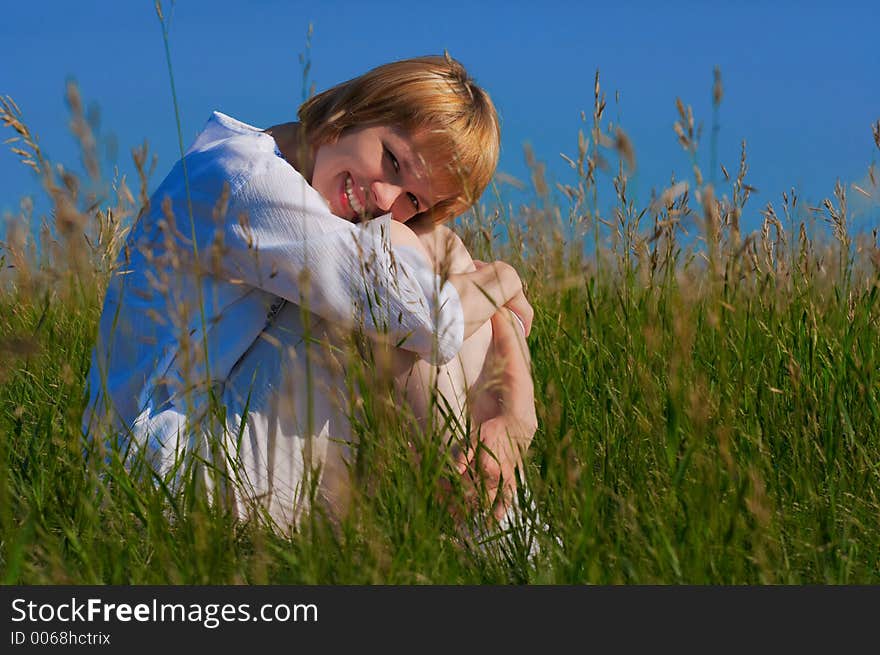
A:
[(352, 199)]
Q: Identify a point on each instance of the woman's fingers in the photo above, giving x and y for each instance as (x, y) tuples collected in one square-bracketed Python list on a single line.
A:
[(487, 468), (462, 456), (504, 499), (492, 474), (499, 484), (480, 483)]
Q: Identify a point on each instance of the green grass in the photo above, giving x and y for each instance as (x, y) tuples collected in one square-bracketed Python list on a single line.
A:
[(708, 413)]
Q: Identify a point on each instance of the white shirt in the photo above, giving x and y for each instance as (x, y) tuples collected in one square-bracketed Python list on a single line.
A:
[(262, 234)]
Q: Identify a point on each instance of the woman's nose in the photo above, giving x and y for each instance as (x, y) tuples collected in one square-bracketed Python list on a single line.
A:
[(385, 195)]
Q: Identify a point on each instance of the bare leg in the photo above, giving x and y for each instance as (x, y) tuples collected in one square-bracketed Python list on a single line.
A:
[(463, 383), (268, 405), (470, 386)]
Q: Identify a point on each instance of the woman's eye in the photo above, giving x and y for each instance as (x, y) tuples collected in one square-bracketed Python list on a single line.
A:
[(414, 201), (394, 162)]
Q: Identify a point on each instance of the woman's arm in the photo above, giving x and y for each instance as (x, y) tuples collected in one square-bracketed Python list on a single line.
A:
[(281, 237), (506, 417), (501, 399), (484, 291)]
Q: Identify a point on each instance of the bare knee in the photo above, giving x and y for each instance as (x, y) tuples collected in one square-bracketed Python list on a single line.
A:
[(445, 249), (454, 379)]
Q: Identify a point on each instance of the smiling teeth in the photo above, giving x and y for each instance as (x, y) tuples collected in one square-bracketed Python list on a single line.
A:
[(352, 199)]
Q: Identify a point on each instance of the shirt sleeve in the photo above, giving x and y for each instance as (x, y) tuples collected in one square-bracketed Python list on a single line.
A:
[(281, 237)]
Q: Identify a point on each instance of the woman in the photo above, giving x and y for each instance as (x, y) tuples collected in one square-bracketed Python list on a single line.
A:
[(250, 252)]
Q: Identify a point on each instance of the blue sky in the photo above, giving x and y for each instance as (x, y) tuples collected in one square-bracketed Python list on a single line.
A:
[(801, 82)]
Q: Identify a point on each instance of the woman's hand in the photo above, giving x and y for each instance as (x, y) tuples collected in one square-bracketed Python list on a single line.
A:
[(507, 423), (490, 467)]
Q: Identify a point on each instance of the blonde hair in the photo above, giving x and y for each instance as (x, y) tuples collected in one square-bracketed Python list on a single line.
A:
[(435, 101)]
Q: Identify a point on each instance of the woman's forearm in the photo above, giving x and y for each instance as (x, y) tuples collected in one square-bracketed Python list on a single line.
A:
[(484, 291), (516, 396), (290, 245), (507, 390), (508, 422)]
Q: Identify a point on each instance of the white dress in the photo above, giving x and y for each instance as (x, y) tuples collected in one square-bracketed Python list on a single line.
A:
[(212, 306)]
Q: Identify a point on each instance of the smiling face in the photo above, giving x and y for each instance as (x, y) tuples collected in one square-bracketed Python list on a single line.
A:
[(371, 171)]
